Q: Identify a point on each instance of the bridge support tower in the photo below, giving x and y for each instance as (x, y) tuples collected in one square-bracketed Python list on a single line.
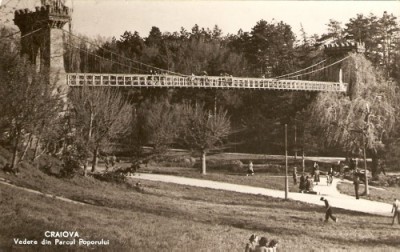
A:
[(43, 39), (337, 51)]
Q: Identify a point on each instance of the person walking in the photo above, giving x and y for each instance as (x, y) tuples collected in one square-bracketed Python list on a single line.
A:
[(330, 175), (250, 170), (295, 175), (328, 213), (395, 210), (316, 175), (356, 182)]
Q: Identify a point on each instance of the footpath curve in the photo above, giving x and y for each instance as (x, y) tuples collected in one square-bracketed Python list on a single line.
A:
[(336, 199)]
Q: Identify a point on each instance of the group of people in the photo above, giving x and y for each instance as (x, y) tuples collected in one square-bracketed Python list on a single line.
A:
[(307, 181), (306, 184), (262, 244)]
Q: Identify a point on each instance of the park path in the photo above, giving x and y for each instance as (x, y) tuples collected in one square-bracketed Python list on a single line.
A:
[(336, 199)]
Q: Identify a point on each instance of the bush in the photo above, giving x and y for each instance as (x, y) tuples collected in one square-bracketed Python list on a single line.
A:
[(173, 161), (114, 176), (383, 180), (49, 165), (70, 168), (228, 165), (236, 166)]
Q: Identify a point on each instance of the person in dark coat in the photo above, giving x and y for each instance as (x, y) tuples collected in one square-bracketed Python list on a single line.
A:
[(395, 210), (356, 182), (328, 213), (330, 175), (303, 182)]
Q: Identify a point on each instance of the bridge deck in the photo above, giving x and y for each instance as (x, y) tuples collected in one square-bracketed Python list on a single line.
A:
[(172, 81)]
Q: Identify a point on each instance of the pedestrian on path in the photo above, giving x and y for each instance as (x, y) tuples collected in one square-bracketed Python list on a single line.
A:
[(395, 210), (328, 213), (356, 182), (250, 170), (316, 176), (315, 167)]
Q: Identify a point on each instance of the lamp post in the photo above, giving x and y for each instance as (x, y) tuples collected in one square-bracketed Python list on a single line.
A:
[(286, 166), (366, 192), (295, 139)]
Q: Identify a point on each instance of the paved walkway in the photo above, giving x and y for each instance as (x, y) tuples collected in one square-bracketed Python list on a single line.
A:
[(335, 198)]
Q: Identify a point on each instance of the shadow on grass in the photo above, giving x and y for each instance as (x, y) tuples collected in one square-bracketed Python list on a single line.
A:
[(368, 242)]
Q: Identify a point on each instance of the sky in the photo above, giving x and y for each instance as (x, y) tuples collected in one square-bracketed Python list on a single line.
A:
[(112, 17)]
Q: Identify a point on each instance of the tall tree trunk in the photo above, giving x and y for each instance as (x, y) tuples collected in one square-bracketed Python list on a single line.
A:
[(203, 163), (85, 166), (94, 162), (375, 164), (26, 147), (35, 152), (15, 152)]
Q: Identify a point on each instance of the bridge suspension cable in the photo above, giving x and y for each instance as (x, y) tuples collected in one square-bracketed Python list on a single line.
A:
[(126, 58), (101, 57), (320, 69), (23, 36), (301, 70)]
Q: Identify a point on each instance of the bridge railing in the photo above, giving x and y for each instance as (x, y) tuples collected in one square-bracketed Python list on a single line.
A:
[(224, 82)]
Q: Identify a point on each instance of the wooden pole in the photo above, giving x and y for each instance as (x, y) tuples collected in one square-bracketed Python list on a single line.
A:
[(286, 166)]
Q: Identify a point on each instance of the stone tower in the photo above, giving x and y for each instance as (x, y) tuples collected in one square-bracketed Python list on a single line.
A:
[(44, 40), (338, 51)]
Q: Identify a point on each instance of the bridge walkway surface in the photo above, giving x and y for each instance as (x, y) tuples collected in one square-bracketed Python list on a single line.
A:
[(336, 199)]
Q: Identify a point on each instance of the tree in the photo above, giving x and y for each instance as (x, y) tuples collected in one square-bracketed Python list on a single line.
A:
[(29, 102), (100, 116), (202, 130), (335, 30), (363, 119), (271, 48), (379, 36), (154, 38), (158, 123)]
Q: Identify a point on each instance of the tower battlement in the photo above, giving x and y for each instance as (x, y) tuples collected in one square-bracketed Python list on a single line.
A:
[(52, 15), (338, 49), (42, 38)]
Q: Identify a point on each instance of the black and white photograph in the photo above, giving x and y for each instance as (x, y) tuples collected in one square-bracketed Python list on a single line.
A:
[(199, 125)]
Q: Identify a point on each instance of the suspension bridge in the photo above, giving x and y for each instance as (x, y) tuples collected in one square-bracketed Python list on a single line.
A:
[(44, 40)]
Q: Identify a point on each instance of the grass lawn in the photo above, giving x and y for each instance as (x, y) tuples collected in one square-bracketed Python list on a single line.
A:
[(169, 217)]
